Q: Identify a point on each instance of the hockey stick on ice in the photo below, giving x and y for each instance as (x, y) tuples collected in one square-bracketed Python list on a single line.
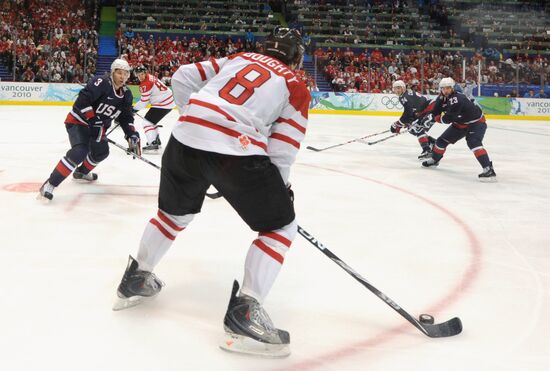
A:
[(209, 195), (386, 138), (349, 141), (450, 328)]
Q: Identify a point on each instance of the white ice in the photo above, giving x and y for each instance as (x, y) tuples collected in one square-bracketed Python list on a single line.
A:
[(434, 240)]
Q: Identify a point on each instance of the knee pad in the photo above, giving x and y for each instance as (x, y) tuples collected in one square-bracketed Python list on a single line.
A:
[(78, 153), (441, 143), (99, 151), (179, 221), (280, 240), (473, 142)]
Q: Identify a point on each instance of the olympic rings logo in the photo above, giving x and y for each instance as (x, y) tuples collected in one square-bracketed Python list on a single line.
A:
[(391, 103)]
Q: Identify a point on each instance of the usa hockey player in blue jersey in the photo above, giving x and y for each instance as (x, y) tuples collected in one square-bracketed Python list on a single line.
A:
[(103, 99), (466, 120), (413, 103)]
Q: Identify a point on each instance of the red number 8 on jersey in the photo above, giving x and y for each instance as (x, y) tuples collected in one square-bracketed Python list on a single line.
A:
[(248, 85)]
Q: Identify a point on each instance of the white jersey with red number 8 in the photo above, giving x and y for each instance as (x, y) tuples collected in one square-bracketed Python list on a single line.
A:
[(246, 104)]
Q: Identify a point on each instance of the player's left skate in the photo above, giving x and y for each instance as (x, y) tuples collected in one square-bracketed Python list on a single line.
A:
[(249, 330), (488, 175), (152, 147), (426, 154), (136, 286), (46, 191), (90, 177)]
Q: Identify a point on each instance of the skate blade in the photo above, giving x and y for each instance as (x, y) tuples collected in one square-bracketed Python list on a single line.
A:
[(244, 345), (151, 151), (492, 179), (125, 303), (43, 199), (84, 181)]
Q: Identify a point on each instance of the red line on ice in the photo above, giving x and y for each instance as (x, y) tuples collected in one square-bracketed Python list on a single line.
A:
[(455, 293)]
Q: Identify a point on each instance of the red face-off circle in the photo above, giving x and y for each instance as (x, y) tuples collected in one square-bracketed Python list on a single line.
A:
[(22, 187)]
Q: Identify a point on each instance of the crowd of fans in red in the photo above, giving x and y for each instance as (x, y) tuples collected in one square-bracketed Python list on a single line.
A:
[(49, 40), (57, 41), (163, 56), (373, 71)]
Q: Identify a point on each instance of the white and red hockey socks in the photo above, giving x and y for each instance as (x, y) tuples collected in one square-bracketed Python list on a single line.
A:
[(265, 259), (151, 130), (158, 236)]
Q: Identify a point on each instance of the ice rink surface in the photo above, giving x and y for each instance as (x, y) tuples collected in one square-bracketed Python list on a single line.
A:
[(434, 240)]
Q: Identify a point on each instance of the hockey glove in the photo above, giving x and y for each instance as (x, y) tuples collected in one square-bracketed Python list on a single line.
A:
[(396, 127), (134, 143), (416, 128), (427, 121)]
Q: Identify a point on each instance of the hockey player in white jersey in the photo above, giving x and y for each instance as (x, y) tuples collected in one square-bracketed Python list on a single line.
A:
[(241, 130), (154, 92)]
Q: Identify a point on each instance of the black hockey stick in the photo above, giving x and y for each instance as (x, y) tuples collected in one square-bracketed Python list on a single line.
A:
[(386, 138), (112, 129), (128, 152), (349, 141), (450, 328)]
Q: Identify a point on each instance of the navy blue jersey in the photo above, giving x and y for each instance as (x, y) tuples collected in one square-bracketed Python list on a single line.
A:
[(412, 104), (98, 102), (458, 109)]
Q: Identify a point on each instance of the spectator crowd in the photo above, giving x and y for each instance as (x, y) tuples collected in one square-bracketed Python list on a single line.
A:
[(45, 41), (163, 55), (374, 71)]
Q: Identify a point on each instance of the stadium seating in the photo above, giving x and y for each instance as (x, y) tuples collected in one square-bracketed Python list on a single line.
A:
[(353, 45), (56, 41)]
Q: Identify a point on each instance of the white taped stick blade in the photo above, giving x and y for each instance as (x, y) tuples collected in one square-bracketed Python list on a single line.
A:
[(242, 344)]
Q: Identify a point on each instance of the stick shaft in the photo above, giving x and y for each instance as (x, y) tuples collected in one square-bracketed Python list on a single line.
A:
[(209, 195), (361, 279), (386, 138), (348, 142), (133, 154)]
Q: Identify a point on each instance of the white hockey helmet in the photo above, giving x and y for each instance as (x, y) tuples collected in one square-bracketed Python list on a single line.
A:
[(120, 64), (399, 84), (447, 82)]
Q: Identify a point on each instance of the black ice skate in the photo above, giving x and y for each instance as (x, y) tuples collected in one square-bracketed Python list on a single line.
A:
[(488, 174), (152, 147), (426, 154), (136, 286), (249, 329), (46, 191), (90, 177), (430, 162)]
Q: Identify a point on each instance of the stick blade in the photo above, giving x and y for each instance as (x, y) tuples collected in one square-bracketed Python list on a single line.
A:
[(450, 328), (313, 149), (214, 195)]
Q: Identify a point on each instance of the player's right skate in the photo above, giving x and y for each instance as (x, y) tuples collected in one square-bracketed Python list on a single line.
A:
[(136, 286), (249, 329), (488, 175), (430, 162), (46, 191), (90, 177), (152, 147)]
